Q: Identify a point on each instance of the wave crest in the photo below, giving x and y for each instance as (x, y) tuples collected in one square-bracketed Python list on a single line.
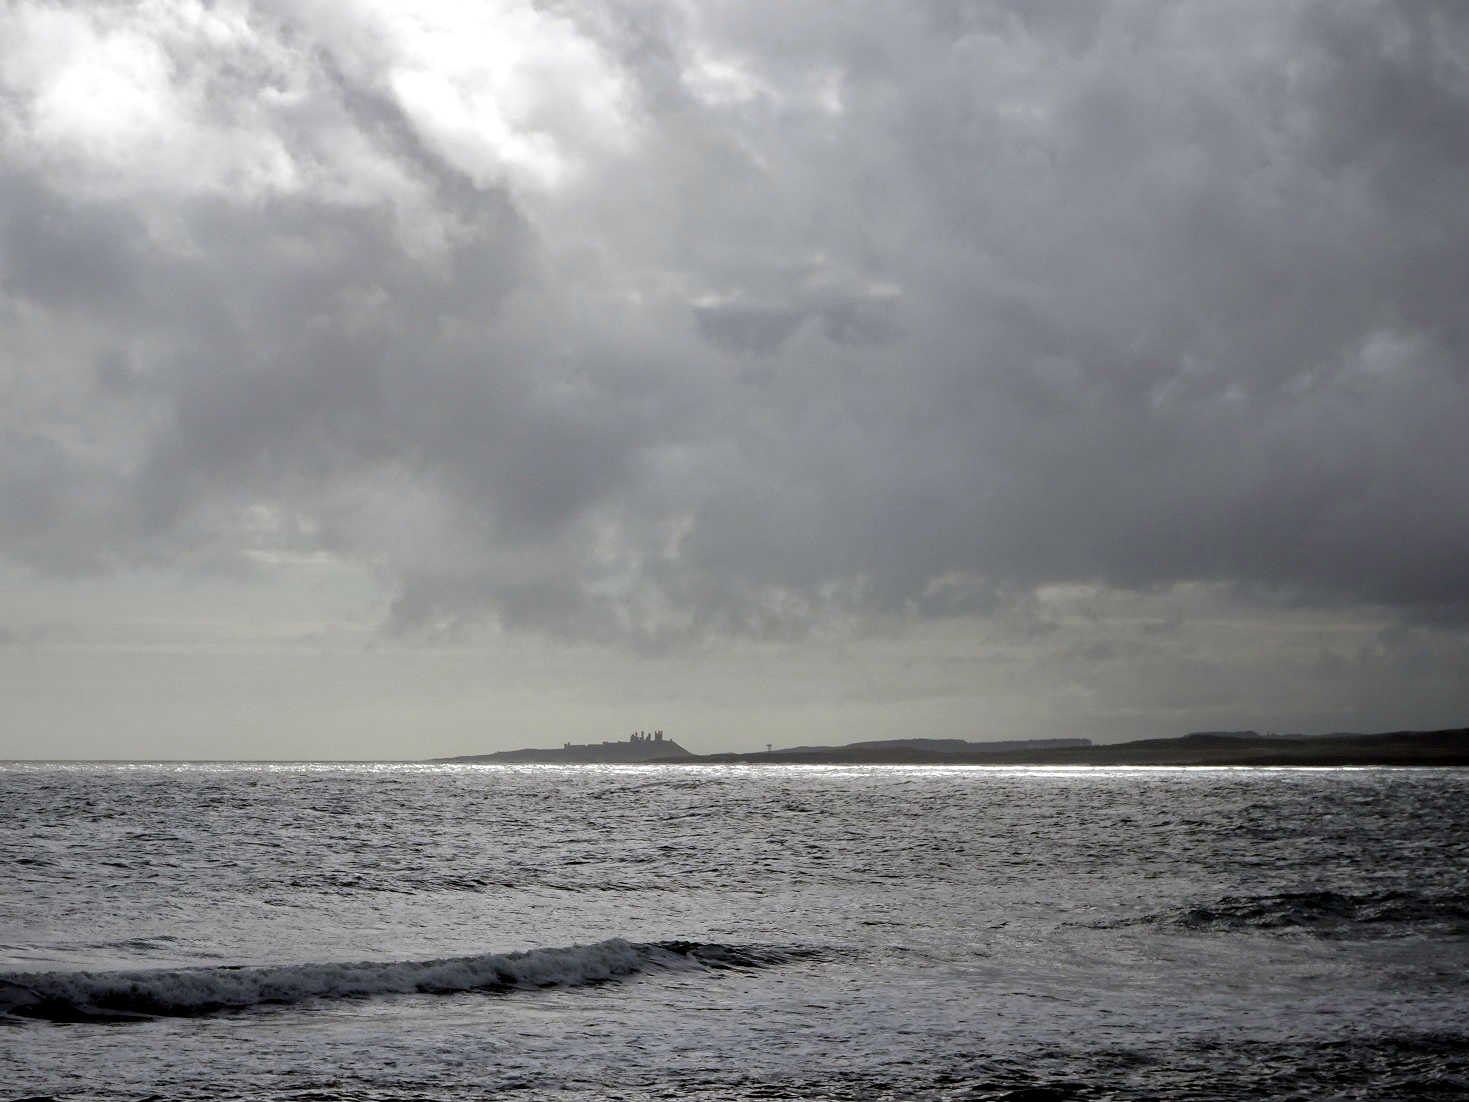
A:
[(128, 995)]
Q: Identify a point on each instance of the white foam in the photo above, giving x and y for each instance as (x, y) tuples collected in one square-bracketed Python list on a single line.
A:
[(200, 990)]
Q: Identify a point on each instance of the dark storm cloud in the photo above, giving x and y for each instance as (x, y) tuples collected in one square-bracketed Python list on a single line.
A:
[(893, 308)]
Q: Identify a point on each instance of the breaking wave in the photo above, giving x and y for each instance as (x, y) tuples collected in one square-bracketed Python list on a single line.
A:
[(130, 995), (1326, 913)]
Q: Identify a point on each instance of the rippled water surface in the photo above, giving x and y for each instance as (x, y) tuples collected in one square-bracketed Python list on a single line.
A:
[(444, 932)]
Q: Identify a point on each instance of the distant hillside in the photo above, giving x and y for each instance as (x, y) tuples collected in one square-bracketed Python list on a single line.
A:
[(961, 746), (1401, 748), (631, 750), (1445, 747)]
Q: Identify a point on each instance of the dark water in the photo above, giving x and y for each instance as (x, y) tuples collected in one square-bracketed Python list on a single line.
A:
[(318, 932)]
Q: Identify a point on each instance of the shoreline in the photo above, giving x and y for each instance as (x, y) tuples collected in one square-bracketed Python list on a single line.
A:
[(1440, 748)]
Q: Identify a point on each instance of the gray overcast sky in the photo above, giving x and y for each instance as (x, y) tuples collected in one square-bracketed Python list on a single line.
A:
[(398, 378)]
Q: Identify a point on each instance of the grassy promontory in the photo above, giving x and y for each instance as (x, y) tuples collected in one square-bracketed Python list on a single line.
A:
[(1431, 748)]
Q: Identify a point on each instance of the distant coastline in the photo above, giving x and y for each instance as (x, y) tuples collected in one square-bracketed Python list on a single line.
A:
[(641, 747), (1445, 747)]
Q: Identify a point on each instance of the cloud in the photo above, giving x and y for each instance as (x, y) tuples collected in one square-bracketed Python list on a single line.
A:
[(646, 322)]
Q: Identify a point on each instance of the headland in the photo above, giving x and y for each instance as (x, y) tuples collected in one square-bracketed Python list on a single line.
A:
[(639, 747), (1444, 747)]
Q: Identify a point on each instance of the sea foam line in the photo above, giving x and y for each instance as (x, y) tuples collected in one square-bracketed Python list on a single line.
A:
[(101, 996)]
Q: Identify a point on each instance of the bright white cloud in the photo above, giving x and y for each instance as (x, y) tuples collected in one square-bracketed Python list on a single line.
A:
[(503, 90)]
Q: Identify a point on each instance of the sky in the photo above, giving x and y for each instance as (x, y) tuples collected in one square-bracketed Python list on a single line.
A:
[(402, 378)]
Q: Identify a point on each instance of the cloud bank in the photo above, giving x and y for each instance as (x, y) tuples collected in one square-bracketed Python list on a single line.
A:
[(644, 322)]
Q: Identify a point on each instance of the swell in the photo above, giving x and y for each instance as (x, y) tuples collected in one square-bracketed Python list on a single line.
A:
[(1325, 913), (186, 992), (349, 884)]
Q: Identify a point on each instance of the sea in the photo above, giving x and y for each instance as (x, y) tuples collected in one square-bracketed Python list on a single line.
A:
[(324, 932)]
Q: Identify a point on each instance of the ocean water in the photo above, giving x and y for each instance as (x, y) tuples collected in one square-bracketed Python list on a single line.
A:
[(317, 932)]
